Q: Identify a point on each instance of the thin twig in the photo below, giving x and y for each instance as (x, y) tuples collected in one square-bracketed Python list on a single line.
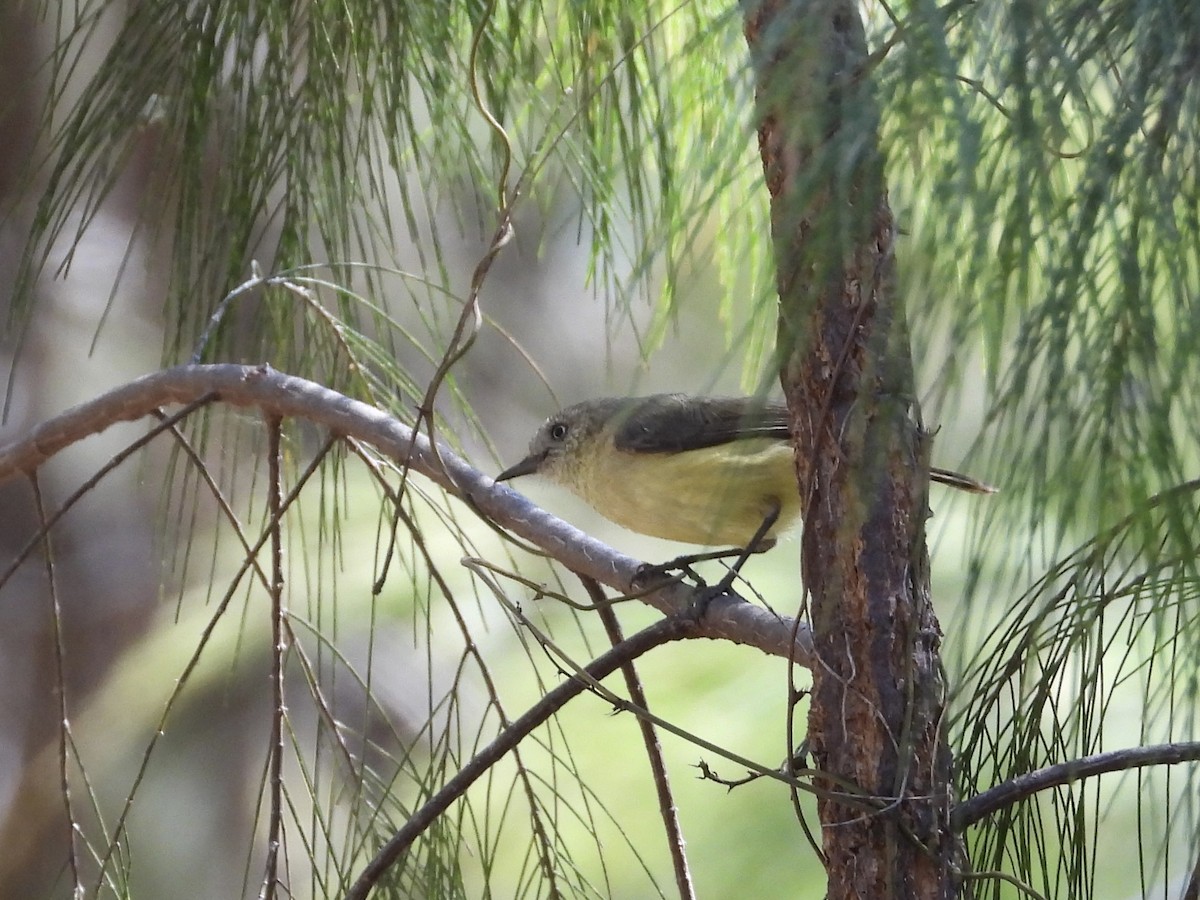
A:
[(166, 424), (64, 723), (471, 649), (223, 504), (278, 651), (658, 768), (470, 320), (849, 794), (250, 561), (663, 631), (1017, 789)]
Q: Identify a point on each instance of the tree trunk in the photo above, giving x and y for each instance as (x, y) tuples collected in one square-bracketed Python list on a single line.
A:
[(861, 456)]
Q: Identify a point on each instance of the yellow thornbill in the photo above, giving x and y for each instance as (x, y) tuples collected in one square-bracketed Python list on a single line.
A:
[(702, 470)]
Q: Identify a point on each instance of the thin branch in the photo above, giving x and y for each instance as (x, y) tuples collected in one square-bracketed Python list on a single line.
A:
[(278, 651), (165, 424), (658, 767), (726, 617), (1017, 789), (791, 775), (661, 632), (64, 723), (223, 504), (466, 329), (250, 561), (471, 649)]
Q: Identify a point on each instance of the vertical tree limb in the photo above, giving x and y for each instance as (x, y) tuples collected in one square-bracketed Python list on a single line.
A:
[(877, 702)]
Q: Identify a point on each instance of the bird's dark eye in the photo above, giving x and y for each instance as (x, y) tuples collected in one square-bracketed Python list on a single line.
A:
[(558, 431)]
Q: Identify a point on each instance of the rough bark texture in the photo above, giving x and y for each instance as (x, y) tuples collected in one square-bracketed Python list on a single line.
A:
[(877, 702)]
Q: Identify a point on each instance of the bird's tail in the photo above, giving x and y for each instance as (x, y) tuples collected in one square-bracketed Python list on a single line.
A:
[(962, 482)]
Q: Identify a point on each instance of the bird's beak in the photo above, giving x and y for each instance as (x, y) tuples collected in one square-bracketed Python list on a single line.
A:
[(527, 466)]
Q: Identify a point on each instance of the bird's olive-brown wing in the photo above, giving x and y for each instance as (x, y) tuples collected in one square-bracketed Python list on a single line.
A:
[(673, 423)]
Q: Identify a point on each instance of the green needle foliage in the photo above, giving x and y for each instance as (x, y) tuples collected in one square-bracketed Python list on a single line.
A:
[(1044, 165)]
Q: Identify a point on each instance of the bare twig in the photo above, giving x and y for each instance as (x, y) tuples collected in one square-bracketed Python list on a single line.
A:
[(64, 723), (278, 652), (166, 423), (541, 834), (665, 630), (249, 561), (658, 768), (1016, 789)]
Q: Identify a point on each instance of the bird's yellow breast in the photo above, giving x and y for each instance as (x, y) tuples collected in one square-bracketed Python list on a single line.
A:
[(714, 495)]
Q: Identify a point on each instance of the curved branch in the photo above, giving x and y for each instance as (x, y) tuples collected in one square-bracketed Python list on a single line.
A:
[(661, 632), (261, 387), (1013, 791)]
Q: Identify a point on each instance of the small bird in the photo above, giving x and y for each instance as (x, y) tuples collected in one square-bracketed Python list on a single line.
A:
[(702, 470)]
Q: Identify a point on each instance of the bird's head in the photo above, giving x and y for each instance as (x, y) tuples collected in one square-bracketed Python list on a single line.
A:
[(562, 444)]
